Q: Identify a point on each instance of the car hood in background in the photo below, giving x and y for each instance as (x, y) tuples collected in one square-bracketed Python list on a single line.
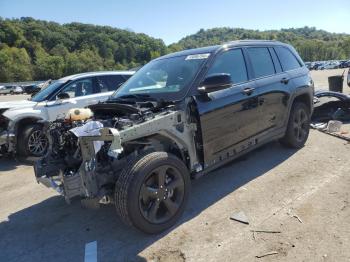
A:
[(17, 104)]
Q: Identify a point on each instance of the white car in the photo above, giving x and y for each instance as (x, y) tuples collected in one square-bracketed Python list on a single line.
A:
[(20, 121)]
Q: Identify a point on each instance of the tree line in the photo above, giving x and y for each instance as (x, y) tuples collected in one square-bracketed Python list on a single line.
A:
[(33, 49), (312, 44)]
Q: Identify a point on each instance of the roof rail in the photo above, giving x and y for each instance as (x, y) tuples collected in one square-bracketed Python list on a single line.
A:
[(249, 40)]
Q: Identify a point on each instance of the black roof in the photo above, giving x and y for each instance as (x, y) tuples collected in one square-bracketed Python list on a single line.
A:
[(215, 48)]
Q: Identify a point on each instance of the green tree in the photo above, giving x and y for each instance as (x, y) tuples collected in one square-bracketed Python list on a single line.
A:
[(49, 67), (15, 64)]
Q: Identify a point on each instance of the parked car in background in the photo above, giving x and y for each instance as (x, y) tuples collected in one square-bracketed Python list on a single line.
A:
[(329, 65), (10, 90), (179, 117), (348, 78), (20, 130), (31, 89), (343, 63), (18, 90), (317, 65)]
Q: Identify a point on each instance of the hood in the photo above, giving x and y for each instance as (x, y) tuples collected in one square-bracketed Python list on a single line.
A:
[(17, 104)]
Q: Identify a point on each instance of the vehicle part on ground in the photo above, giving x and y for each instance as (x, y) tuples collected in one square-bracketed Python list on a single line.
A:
[(335, 83), (336, 107)]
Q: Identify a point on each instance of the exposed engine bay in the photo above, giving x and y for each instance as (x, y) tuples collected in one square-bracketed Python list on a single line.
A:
[(85, 156)]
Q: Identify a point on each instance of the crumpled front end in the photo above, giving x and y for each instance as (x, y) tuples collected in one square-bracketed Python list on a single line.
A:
[(85, 158)]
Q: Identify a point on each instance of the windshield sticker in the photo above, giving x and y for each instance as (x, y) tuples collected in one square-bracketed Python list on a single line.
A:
[(198, 56)]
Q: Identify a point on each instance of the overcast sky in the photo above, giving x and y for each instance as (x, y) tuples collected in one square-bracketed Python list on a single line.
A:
[(172, 20)]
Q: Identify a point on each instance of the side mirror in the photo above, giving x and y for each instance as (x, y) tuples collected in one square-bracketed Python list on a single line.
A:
[(214, 83), (63, 96)]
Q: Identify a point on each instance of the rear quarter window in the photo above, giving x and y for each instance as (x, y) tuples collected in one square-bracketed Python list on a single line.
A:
[(287, 58), (111, 82)]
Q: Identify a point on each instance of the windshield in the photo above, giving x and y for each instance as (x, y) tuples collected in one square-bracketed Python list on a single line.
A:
[(46, 92), (165, 78)]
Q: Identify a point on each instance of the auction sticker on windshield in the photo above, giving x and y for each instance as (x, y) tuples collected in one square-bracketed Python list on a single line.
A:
[(198, 56)]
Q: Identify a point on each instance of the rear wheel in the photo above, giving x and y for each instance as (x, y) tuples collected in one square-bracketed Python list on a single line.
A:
[(152, 191), (298, 126), (32, 141)]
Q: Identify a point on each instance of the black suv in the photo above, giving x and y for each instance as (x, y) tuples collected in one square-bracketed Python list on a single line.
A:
[(179, 117)]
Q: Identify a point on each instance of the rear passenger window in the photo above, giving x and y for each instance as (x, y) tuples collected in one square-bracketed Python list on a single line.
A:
[(110, 82), (287, 59), (261, 61), (231, 62)]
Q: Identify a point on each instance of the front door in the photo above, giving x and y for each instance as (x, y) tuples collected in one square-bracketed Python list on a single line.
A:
[(228, 116), (77, 94)]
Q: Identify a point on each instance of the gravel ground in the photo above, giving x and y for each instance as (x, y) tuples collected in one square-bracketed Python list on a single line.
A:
[(303, 194)]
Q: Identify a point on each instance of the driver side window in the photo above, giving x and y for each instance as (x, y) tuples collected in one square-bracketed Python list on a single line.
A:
[(77, 88), (230, 62)]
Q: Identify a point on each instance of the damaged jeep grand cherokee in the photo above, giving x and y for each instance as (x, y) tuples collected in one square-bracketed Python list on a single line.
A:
[(179, 117)]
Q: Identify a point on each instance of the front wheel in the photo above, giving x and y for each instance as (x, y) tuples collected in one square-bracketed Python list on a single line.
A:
[(298, 126), (32, 141), (151, 192)]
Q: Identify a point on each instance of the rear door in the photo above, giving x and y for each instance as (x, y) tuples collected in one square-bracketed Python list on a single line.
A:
[(228, 116), (272, 86)]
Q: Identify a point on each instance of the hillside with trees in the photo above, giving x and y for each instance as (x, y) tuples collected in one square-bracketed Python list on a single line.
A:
[(312, 44), (37, 50)]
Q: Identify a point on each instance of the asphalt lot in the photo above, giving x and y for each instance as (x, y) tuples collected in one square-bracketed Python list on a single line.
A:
[(303, 194)]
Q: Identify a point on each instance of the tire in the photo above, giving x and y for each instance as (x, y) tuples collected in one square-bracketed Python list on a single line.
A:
[(141, 200), (26, 139), (298, 126), (11, 93)]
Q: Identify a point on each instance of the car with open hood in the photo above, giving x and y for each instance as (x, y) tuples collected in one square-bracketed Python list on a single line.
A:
[(20, 121), (177, 118)]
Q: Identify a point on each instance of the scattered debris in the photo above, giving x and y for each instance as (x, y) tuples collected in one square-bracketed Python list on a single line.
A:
[(298, 218), (240, 217), (289, 213), (337, 135), (265, 231), (319, 126), (334, 126), (267, 254)]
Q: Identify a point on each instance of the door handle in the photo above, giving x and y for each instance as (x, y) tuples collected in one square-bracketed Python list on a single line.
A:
[(285, 80), (248, 90)]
